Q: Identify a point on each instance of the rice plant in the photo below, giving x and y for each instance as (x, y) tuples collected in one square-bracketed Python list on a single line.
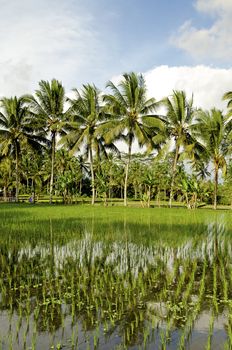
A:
[(81, 277)]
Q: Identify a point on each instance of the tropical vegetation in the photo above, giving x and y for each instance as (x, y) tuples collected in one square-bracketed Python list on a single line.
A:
[(55, 147)]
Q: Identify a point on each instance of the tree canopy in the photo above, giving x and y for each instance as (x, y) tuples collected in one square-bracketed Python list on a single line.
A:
[(82, 145)]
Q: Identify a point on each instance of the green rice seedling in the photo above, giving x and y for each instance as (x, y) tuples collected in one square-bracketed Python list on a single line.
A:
[(34, 337), (215, 288), (88, 345), (110, 287), (145, 337), (224, 280), (25, 339), (73, 339), (228, 343), (95, 341), (77, 337), (179, 286), (193, 315), (163, 344), (18, 326), (188, 291), (181, 345), (210, 333), (10, 343)]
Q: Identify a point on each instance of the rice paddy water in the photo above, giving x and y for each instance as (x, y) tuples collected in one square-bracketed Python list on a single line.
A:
[(77, 277)]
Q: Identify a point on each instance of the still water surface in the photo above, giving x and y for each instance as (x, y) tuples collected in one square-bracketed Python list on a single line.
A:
[(98, 283)]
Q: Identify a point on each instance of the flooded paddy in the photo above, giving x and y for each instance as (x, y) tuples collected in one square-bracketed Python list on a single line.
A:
[(114, 278)]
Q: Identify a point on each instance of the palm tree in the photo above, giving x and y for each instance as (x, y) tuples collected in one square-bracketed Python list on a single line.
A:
[(86, 114), (228, 183), (228, 96), (212, 131), (47, 107), (83, 169), (130, 115), (68, 170), (178, 121), (16, 131), (32, 170)]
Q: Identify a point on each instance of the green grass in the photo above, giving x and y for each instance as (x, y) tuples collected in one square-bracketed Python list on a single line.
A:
[(173, 227), (132, 213)]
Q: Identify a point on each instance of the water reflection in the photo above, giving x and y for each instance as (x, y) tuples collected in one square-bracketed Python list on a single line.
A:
[(87, 293)]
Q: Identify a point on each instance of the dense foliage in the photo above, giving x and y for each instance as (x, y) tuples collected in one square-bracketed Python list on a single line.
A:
[(52, 145)]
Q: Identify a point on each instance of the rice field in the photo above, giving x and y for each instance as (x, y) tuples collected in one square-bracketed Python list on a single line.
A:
[(77, 277)]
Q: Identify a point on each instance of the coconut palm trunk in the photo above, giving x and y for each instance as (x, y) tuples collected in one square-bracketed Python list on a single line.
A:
[(173, 174), (92, 175), (52, 166), (149, 196), (80, 187), (216, 168), (158, 197), (48, 107), (131, 115), (213, 129), (5, 194), (178, 119), (17, 174), (33, 189), (127, 173)]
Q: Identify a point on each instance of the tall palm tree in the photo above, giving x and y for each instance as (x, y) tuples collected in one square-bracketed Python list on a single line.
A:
[(83, 169), (16, 131), (86, 112), (212, 131), (32, 170), (228, 96), (131, 118), (178, 121), (47, 107)]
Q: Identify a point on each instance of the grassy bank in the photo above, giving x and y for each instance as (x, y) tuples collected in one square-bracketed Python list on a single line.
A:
[(23, 219)]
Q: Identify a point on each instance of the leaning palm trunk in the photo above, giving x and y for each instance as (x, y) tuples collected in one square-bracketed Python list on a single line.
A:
[(52, 167), (92, 176), (215, 186), (126, 174), (173, 175)]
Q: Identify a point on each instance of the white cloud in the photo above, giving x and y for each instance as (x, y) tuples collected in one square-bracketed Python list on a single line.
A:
[(213, 43), (213, 6), (206, 84), (43, 40)]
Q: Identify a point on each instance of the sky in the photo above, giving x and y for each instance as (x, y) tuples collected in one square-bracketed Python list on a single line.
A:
[(178, 44)]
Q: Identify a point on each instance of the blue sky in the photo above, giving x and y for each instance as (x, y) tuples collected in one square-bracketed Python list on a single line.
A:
[(137, 33), (80, 41)]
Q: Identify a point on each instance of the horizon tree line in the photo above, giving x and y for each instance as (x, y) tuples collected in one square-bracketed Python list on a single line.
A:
[(48, 138)]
